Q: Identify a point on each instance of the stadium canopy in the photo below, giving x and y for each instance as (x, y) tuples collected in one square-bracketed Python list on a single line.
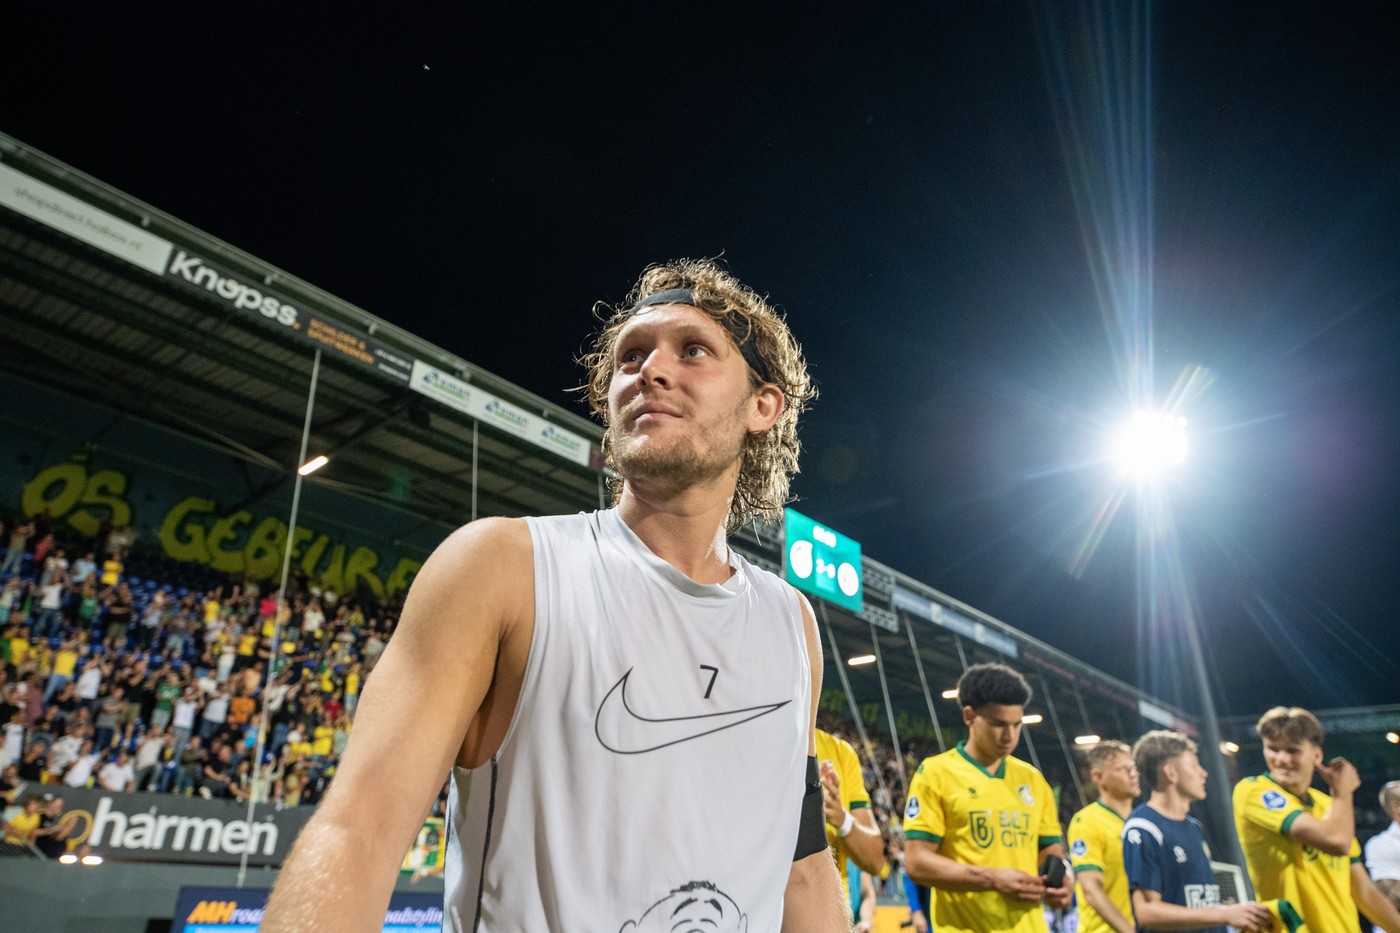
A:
[(129, 310)]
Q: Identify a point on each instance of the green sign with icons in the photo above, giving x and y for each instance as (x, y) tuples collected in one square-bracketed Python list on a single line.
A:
[(821, 562)]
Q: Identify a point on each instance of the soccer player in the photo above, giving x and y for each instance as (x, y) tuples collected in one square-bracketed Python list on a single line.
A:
[(1383, 849), (1096, 841), (1298, 843), (1164, 855), (626, 707), (850, 826), (979, 822)]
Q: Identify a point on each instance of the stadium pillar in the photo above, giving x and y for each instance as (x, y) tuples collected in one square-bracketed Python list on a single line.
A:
[(923, 681), (258, 788), (1218, 802), (851, 700)]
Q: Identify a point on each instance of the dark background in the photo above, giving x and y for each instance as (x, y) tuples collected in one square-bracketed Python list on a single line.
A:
[(996, 228)]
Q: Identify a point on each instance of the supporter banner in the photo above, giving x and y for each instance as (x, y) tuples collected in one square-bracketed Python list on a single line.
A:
[(240, 910), (482, 405), (164, 828), (256, 299), (938, 614), (80, 220), (194, 528)]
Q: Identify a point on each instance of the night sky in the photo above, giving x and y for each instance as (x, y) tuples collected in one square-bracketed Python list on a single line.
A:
[(990, 225)]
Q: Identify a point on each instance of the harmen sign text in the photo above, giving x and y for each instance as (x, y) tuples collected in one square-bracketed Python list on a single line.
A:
[(162, 828)]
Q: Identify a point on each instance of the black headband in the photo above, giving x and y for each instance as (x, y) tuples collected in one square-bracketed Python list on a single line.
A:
[(686, 296)]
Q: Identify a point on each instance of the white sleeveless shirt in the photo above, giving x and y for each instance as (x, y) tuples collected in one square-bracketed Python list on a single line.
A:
[(652, 772)]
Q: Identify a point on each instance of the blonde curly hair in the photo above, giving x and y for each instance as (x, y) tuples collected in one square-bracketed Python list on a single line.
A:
[(769, 458)]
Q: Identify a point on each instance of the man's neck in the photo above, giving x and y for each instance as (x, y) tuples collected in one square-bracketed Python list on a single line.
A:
[(686, 530), (990, 761), (1170, 803), (1120, 805)]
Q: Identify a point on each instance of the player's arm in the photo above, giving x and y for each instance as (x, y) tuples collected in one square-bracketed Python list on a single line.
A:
[(866, 921), (469, 598), (1374, 903), (1156, 914), (1390, 887), (812, 901), (1334, 832), (864, 844), (1091, 884), (927, 866)]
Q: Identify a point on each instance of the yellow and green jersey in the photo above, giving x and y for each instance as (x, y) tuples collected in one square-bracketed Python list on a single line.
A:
[(1317, 884), (853, 794), (998, 819), (1096, 844)]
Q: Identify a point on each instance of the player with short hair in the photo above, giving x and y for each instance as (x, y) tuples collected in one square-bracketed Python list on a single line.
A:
[(979, 822), (1096, 841), (625, 705), (1165, 857), (1383, 849), (1300, 844)]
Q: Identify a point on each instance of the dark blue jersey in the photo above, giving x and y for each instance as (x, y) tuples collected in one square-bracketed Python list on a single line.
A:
[(1170, 857)]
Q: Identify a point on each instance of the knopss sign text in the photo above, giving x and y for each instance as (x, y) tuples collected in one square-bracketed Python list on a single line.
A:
[(256, 298)]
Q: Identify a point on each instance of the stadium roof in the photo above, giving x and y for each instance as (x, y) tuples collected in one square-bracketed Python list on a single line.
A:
[(114, 301)]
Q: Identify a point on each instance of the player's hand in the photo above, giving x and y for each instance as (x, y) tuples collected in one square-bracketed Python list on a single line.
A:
[(1341, 776), (1017, 885), (831, 795), (920, 923), (862, 927), (1249, 916), (1060, 898)]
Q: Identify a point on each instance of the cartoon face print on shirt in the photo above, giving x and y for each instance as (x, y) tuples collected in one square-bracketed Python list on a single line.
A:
[(694, 907)]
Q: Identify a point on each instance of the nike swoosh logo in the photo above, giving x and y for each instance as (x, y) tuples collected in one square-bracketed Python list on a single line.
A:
[(620, 729)]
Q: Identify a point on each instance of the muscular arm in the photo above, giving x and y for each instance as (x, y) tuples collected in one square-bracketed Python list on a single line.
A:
[(1378, 906), (468, 603), (1154, 913), (812, 901), (1091, 883)]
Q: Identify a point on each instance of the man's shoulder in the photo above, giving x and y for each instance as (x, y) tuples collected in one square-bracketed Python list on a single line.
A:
[(935, 766), (1023, 771)]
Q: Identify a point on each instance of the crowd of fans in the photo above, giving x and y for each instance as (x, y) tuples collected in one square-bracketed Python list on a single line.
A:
[(129, 673)]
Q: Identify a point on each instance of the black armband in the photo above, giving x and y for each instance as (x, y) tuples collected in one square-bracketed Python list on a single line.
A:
[(811, 828)]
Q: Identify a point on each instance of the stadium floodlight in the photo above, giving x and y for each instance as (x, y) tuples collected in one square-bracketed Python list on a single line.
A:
[(68, 858), (1229, 748), (1087, 740), (314, 464), (1393, 738), (1151, 442), (1032, 719), (950, 694), (860, 659), (90, 860)]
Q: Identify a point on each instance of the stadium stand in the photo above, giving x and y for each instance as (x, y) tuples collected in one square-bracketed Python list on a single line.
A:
[(155, 411)]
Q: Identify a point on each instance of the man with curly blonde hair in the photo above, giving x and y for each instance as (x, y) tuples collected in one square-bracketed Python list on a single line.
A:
[(768, 458), (618, 683)]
